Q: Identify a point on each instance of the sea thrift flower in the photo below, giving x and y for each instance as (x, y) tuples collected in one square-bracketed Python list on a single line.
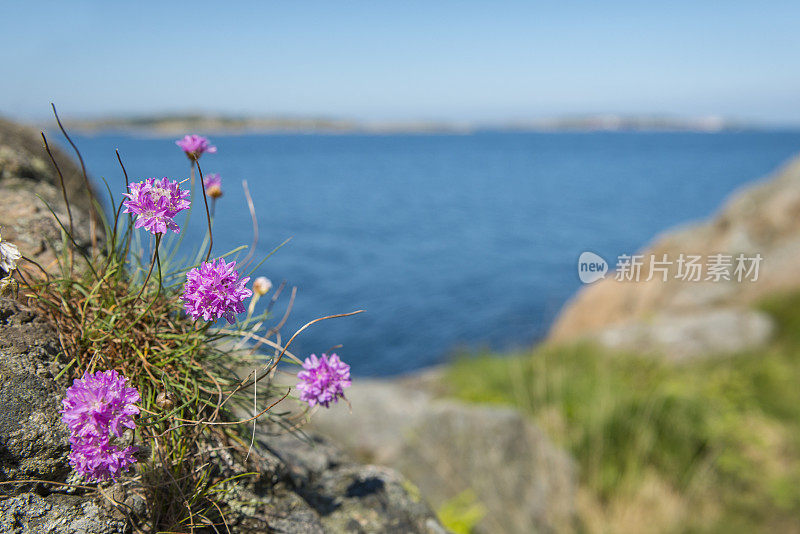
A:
[(215, 290), (213, 184), (98, 459), (97, 409), (323, 380), (194, 146), (155, 203), (261, 286), (9, 256)]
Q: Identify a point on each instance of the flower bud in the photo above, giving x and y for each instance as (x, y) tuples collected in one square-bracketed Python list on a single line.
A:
[(214, 191), (262, 285), (213, 183), (165, 401)]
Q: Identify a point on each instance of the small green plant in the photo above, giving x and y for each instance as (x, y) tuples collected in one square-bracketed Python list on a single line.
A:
[(462, 513), (137, 320)]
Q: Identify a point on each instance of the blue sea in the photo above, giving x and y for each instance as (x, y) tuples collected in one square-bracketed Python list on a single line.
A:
[(449, 242)]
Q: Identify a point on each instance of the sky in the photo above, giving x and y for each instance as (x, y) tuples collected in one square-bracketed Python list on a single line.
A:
[(457, 61)]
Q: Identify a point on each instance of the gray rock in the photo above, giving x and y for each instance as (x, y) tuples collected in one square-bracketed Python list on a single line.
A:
[(524, 482), (691, 335), (58, 514), (33, 440), (320, 489)]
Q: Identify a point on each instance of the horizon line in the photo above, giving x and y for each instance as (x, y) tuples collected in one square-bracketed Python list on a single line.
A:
[(220, 123)]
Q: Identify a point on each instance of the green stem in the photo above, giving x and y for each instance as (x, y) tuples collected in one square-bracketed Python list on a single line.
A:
[(152, 264)]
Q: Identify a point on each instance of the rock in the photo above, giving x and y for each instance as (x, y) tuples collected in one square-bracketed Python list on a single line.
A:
[(28, 184), (57, 514), (524, 482), (22, 155), (317, 488), (760, 219), (690, 335), (302, 486), (33, 440)]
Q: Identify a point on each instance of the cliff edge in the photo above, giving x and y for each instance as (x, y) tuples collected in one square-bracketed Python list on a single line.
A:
[(684, 318)]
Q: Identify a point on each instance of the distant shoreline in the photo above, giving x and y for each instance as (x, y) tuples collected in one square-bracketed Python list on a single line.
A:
[(171, 125)]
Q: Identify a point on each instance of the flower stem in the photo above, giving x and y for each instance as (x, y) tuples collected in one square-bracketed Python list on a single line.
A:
[(152, 264), (158, 262), (208, 214)]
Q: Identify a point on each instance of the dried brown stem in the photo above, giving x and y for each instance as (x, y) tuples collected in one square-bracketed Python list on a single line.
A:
[(61, 180), (92, 221), (130, 215), (283, 351)]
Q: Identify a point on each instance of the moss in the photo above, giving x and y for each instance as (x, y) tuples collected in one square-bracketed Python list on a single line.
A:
[(724, 433), (413, 491), (462, 513)]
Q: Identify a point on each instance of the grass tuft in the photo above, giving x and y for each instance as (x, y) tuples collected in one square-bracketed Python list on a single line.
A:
[(719, 437)]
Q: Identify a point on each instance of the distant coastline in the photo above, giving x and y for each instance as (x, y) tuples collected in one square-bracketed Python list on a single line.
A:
[(176, 124)]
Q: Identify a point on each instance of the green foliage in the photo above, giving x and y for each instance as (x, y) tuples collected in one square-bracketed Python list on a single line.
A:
[(462, 513), (722, 432)]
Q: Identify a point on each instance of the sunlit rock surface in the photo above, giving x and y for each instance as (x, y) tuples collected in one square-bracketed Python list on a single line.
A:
[(763, 218), (518, 476)]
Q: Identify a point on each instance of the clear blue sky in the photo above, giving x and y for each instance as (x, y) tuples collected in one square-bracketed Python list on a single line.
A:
[(460, 60)]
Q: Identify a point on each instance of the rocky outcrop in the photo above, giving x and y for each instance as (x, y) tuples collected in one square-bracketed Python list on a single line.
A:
[(663, 315), (22, 155), (34, 443), (57, 514), (522, 481), (305, 486), (693, 334), (29, 184)]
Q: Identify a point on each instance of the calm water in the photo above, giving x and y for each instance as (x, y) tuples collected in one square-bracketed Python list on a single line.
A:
[(448, 241)]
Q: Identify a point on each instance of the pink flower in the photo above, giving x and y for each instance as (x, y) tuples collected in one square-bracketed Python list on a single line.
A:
[(194, 146), (97, 409), (215, 290), (323, 380), (98, 459), (213, 183), (155, 203)]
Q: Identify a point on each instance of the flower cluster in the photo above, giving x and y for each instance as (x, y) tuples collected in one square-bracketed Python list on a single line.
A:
[(9, 256), (195, 146), (215, 290), (323, 379), (213, 185), (155, 203), (97, 409)]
